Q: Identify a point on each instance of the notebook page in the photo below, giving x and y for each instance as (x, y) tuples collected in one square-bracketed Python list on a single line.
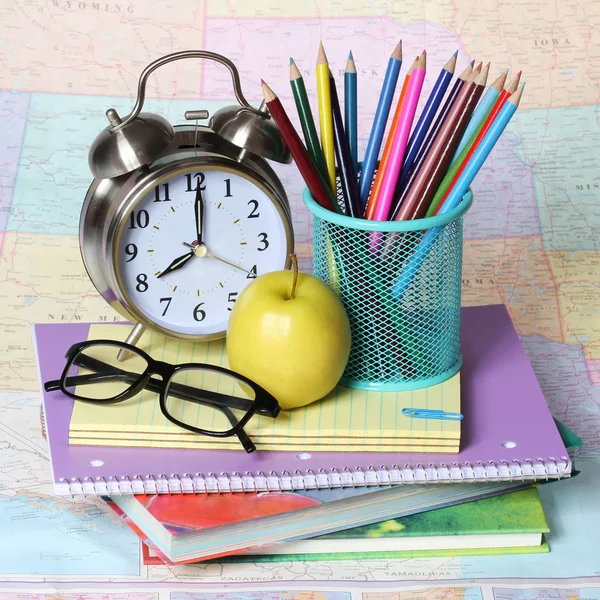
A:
[(345, 420)]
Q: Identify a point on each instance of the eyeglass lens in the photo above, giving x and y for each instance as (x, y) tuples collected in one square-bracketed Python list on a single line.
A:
[(207, 399)]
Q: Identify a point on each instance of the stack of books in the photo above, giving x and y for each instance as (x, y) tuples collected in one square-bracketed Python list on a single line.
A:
[(315, 500)]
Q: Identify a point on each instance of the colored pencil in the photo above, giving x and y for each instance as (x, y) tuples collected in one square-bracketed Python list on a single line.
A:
[(404, 184), (385, 157), (392, 171), (348, 182), (297, 149), (424, 123), (306, 118), (351, 109), (325, 116), (461, 162), (438, 158), (379, 123), (462, 185), (479, 114)]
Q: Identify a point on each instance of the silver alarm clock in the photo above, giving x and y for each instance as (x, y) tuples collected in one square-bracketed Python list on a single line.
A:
[(178, 220)]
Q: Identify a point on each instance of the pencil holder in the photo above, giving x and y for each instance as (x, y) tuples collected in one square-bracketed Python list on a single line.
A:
[(400, 282)]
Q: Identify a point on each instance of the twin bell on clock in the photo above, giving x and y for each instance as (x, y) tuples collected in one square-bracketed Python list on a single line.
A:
[(179, 219)]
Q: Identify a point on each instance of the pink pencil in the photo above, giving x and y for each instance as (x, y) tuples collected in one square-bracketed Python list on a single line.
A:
[(390, 178)]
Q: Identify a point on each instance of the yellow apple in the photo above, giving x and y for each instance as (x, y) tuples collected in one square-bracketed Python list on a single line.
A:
[(289, 332)]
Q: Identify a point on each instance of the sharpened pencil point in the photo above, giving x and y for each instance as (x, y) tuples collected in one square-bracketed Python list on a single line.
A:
[(322, 57), (350, 57), (455, 54), (268, 93), (294, 72), (473, 63), (507, 70), (397, 53), (291, 61)]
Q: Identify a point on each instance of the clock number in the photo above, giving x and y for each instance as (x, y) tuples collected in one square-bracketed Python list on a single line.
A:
[(139, 219), (231, 299), (253, 214), (157, 197), (263, 241), (142, 282), (168, 301), (252, 274), (199, 314), (228, 188), (131, 250), (200, 177)]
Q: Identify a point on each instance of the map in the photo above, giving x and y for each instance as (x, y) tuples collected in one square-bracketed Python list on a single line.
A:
[(249, 595), (532, 242), (454, 593)]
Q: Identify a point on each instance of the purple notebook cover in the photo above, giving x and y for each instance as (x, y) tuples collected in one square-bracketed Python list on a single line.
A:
[(501, 402)]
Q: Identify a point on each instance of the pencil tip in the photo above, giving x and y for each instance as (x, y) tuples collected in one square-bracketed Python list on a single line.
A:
[(519, 73), (455, 54), (506, 72), (291, 61), (424, 53), (262, 82), (473, 63), (350, 57), (322, 57)]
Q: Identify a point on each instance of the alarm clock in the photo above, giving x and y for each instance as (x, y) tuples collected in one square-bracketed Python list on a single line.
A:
[(180, 219)]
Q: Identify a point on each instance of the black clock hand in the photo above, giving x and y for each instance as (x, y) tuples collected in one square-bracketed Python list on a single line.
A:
[(199, 212), (176, 264)]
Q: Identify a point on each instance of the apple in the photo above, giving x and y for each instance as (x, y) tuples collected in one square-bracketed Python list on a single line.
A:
[(289, 332)]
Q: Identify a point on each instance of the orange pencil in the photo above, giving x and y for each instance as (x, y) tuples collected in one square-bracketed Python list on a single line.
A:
[(372, 202)]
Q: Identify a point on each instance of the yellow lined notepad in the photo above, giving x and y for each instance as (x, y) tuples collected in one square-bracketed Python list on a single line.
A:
[(346, 420)]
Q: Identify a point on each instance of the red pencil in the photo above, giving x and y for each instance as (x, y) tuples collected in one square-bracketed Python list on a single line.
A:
[(297, 149), (506, 93)]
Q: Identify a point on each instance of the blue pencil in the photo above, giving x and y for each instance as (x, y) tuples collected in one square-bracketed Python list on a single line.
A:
[(351, 109), (480, 113), (458, 191), (426, 118), (381, 116)]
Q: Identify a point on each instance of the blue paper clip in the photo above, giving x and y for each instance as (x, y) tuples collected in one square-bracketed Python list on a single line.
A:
[(424, 413)]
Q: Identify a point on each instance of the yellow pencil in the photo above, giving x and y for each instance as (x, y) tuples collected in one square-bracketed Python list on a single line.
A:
[(325, 115)]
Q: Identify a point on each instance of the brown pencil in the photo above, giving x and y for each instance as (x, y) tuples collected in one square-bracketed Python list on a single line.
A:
[(297, 149)]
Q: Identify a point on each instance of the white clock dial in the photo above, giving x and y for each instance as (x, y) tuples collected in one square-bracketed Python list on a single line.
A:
[(187, 285)]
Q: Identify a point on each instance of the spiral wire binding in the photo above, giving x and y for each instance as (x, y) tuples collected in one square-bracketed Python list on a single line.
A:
[(372, 476)]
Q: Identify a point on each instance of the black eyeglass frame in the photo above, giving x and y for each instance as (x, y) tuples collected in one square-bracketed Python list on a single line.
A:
[(264, 403)]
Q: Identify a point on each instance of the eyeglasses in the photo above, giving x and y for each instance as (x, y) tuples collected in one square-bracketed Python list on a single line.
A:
[(190, 394)]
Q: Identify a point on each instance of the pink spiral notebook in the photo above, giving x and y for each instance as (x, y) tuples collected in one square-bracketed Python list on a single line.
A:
[(507, 433)]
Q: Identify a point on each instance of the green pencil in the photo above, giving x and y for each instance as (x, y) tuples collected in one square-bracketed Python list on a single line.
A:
[(306, 119)]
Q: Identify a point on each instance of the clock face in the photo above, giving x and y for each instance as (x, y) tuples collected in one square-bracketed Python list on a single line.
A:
[(193, 243)]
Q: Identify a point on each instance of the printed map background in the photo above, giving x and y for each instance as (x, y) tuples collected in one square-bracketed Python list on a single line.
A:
[(532, 236)]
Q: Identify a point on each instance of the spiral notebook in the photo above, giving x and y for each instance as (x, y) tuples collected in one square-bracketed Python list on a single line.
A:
[(507, 433)]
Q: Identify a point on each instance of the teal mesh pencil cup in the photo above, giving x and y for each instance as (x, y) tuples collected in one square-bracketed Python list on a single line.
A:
[(400, 282)]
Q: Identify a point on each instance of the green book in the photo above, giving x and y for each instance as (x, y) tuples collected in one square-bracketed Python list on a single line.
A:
[(508, 524)]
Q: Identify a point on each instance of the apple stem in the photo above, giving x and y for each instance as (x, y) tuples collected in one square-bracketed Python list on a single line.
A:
[(295, 280)]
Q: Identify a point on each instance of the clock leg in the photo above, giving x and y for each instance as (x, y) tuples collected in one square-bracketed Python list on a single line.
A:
[(133, 338)]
